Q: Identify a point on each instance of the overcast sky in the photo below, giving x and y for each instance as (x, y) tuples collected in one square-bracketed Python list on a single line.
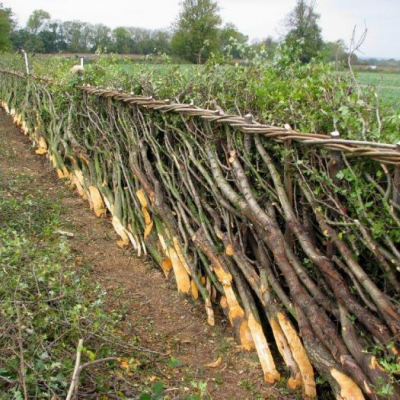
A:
[(255, 18)]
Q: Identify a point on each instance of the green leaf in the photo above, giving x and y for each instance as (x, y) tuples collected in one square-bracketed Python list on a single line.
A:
[(158, 388), (174, 362), (340, 175)]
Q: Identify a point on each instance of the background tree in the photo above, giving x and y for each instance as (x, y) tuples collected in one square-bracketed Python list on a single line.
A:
[(122, 40), (6, 25), (77, 36), (101, 37), (196, 31), (335, 51), (304, 33), (228, 33), (19, 38), (36, 20), (38, 36), (148, 41), (268, 45), (49, 37), (161, 41)]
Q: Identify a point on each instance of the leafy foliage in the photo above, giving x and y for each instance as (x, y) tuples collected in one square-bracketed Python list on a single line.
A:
[(304, 31), (310, 97), (6, 24), (54, 303), (196, 34), (36, 20)]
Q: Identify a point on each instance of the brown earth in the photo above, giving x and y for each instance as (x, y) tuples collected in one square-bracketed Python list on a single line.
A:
[(163, 320)]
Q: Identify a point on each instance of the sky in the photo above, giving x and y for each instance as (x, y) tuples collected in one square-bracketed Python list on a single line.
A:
[(255, 18)]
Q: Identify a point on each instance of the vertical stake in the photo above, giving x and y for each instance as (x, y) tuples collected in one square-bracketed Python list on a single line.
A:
[(335, 165), (396, 180), (248, 118), (248, 137), (336, 162), (287, 181), (26, 62)]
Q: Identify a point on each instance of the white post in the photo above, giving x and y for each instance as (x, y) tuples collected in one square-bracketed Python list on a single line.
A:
[(26, 62), (82, 62)]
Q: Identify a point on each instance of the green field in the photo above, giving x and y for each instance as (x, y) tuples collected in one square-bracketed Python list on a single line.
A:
[(387, 85), (161, 68)]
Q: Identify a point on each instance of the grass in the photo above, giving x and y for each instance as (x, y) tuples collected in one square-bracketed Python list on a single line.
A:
[(387, 85), (48, 302), (160, 68)]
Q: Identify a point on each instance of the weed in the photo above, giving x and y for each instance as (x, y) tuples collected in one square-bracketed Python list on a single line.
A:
[(48, 303)]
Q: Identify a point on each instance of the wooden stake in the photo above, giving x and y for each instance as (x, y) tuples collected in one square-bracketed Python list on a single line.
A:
[(287, 179), (248, 118), (396, 180), (336, 162), (334, 167)]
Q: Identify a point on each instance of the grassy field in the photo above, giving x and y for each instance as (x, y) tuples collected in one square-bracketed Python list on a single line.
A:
[(161, 68), (387, 85)]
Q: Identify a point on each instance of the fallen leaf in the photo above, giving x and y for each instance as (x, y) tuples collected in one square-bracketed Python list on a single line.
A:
[(215, 364), (124, 363), (229, 250), (65, 233)]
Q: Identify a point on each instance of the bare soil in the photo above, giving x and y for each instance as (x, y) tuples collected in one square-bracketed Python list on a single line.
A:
[(163, 320)]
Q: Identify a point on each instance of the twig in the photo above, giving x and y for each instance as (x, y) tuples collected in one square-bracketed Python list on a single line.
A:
[(75, 375), (355, 46), (133, 347), (21, 355), (9, 381), (79, 368)]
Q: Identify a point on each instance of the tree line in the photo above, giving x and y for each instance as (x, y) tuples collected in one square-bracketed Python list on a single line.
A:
[(197, 33)]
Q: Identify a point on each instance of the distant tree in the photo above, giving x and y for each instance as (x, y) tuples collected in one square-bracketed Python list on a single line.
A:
[(336, 51), (77, 36), (196, 31), (101, 37), (122, 40), (6, 26), (49, 37), (161, 41), (148, 41), (36, 20), (62, 45), (141, 41), (19, 37), (304, 33), (35, 38), (34, 44), (228, 33), (268, 45), (87, 37)]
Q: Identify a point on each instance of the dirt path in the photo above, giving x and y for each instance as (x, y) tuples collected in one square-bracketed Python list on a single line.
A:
[(163, 320)]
